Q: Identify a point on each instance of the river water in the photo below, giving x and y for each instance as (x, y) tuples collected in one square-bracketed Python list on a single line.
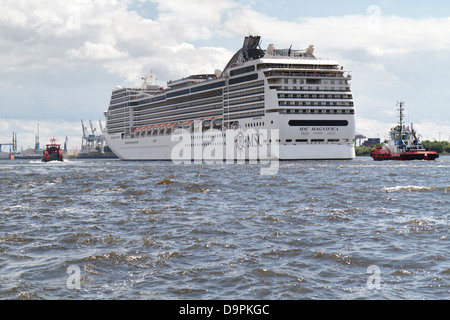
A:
[(109, 229)]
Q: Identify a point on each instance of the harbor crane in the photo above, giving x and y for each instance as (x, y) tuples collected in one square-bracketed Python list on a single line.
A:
[(91, 142), (12, 145)]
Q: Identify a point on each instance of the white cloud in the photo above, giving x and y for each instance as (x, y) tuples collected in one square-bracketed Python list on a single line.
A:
[(372, 128), (194, 20), (47, 130), (96, 51), (432, 130), (426, 129)]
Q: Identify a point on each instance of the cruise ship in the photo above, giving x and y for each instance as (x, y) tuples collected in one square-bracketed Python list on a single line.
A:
[(282, 104)]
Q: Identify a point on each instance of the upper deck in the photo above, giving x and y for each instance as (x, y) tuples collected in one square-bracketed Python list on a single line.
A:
[(254, 82)]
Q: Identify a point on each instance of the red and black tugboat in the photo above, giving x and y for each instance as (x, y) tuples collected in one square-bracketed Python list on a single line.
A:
[(403, 144), (52, 152)]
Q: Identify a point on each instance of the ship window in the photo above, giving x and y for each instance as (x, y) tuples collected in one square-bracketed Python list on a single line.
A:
[(178, 93), (288, 140), (305, 123), (242, 70), (243, 79), (209, 86)]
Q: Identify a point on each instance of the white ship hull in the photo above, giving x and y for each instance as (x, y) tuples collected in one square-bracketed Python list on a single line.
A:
[(161, 149), (281, 148)]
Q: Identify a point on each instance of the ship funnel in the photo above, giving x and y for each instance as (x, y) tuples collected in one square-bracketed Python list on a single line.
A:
[(270, 49)]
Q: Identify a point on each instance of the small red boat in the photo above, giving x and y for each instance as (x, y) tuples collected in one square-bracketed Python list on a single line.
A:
[(52, 152), (403, 144)]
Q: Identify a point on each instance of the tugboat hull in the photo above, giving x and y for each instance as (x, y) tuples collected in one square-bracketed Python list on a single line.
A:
[(379, 154), (56, 156), (53, 152)]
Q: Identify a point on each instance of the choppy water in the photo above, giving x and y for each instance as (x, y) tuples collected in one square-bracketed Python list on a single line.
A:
[(156, 230)]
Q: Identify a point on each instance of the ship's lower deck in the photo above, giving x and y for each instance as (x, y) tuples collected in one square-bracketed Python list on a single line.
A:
[(281, 137), (163, 148)]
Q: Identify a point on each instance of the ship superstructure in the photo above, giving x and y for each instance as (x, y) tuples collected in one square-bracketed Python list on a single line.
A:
[(305, 103)]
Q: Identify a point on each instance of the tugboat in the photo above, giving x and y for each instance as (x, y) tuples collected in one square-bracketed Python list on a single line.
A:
[(403, 144), (52, 152)]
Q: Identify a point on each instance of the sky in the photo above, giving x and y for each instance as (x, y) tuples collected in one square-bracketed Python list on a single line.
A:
[(59, 60)]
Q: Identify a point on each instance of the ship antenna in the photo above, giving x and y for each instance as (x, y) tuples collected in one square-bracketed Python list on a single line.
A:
[(149, 80), (400, 108)]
